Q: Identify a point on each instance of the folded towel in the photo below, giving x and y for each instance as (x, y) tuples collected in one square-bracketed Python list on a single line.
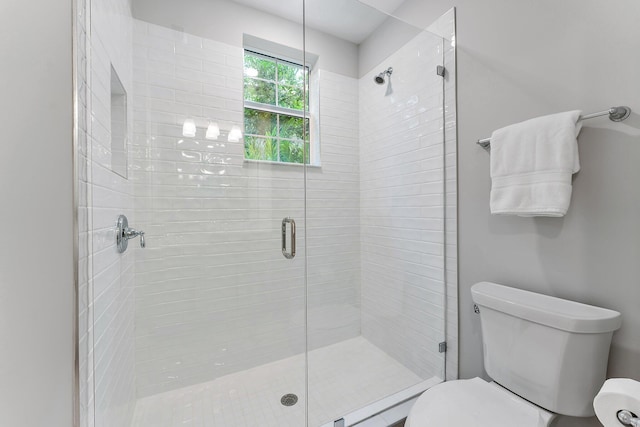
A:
[(532, 163)]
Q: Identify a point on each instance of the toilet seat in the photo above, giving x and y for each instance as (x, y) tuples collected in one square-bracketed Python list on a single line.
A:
[(475, 403)]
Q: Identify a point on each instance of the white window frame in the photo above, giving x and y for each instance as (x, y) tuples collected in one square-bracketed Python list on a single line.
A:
[(275, 109)]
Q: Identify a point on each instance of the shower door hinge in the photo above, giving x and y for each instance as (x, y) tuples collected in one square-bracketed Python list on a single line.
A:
[(442, 347), (339, 423), (440, 70)]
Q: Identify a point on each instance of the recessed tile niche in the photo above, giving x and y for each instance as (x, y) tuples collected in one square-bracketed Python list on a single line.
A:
[(118, 125)]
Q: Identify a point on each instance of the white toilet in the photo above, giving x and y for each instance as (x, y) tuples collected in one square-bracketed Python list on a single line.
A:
[(547, 356)]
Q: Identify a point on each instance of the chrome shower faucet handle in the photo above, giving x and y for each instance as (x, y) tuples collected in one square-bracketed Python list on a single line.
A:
[(124, 233)]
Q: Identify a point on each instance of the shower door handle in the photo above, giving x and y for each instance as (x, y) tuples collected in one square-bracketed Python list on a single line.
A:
[(292, 254)]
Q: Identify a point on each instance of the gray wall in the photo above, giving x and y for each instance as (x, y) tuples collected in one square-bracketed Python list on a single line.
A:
[(219, 20), (520, 59), (36, 257), (388, 38)]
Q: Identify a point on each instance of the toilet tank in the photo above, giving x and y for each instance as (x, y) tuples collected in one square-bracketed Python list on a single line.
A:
[(550, 351)]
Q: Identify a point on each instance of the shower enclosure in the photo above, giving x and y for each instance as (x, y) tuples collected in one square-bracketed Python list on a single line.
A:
[(291, 169)]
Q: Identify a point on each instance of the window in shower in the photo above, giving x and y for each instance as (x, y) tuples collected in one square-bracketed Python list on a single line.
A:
[(276, 118)]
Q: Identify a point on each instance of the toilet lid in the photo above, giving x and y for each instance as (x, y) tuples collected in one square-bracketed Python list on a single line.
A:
[(475, 403)]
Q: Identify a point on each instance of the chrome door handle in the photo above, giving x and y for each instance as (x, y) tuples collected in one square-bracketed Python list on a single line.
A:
[(292, 254), (124, 233)]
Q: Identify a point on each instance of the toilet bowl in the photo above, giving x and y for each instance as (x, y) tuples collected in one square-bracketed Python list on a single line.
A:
[(534, 348), (475, 402)]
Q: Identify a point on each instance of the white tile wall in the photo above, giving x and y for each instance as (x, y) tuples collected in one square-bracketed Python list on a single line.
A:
[(214, 295), (333, 216), (106, 277), (402, 207)]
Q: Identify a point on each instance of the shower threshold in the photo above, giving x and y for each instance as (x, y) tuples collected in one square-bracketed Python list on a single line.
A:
[(343, 377), (388, 410)]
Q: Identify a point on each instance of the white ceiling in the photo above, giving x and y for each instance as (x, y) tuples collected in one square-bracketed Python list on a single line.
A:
[(347, 19)]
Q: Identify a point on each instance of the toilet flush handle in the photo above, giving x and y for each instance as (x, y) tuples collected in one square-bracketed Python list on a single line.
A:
[(627, 418)]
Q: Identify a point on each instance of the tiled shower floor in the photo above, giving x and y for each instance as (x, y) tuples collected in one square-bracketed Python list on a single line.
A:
[(342, 377)]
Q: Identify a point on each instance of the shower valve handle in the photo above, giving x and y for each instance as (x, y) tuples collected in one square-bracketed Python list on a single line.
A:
[(131, 233), (124, 234)]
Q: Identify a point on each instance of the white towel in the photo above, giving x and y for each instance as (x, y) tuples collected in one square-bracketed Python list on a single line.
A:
[(532, 163)]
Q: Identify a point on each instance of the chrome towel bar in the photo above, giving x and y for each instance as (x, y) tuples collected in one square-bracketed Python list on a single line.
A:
[(616, 114)]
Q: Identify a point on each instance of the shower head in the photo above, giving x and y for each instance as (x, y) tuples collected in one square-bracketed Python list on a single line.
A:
[(379, 79)]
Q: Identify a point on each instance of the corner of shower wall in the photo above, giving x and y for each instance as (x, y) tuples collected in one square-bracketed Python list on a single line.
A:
[(105, 278), (333, 218), (85, 339)]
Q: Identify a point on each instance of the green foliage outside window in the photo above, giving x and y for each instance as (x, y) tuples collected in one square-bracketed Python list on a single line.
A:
[(276, 128)]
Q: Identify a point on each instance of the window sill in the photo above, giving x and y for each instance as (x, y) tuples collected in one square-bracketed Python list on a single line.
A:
[(269, 162)]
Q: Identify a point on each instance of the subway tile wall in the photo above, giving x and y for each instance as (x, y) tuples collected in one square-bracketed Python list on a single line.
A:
[(106, 305), (402, 207), (333, 215), (214, 295)]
